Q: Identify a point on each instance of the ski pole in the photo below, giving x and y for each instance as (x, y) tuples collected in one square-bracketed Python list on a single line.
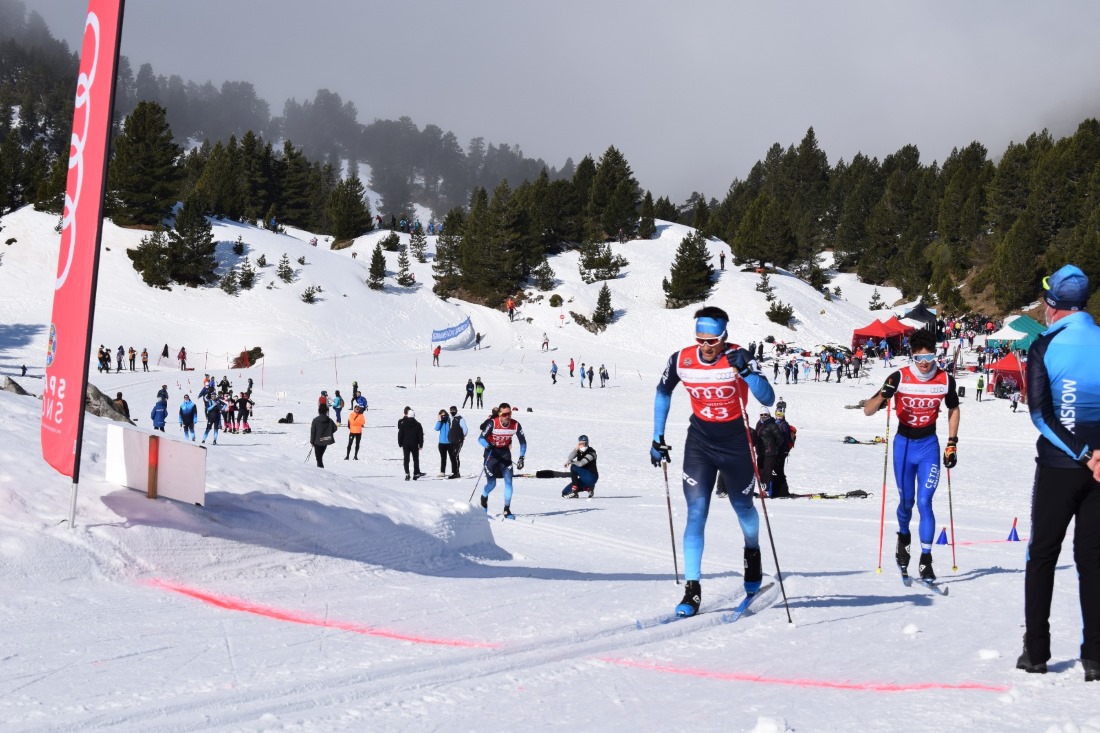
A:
[(882, 514), (671, 531), (307, 454), (764, 506), (951, 513), (471, 499)]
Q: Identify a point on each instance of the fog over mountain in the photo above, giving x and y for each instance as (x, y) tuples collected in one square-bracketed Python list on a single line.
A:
[(568, 78)]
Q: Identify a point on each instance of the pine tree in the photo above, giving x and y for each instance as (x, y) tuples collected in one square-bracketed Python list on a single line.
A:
[(418, 245), (1016, 263), (283, 270), (247, 277), (647, 227), (445, 266), (665, 210), (191, 245), (376, 276), (597, 262), (294, 204), (230, 282), (544, 276), (764, 235), (876, 303), (150, 258), (603, 313), (690, 278), (700, 215), (404, 277), (348, 209), (143, 178)]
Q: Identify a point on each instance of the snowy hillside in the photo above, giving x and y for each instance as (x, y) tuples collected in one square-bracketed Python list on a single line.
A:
[(350, 599)]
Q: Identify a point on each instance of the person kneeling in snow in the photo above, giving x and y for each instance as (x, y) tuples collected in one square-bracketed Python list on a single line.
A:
[(582, 470)]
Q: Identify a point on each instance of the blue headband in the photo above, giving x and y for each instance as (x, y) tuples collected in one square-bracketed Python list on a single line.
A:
[(713, 326)]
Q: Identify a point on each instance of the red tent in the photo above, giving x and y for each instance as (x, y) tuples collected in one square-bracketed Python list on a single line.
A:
[(875, 330), (1009, 369), (896, 327)]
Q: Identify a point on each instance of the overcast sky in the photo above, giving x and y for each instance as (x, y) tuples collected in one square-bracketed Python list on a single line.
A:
[(693, 93)]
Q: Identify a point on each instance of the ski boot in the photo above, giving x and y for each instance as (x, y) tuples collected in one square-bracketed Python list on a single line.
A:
[(902, 552), (1092, 670), (569, 492), (753, 572), (485, 503), (926, 573), (1024, 662), (693, 595), (508, 512)]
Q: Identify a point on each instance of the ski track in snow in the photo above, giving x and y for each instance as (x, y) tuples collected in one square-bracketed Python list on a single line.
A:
[(315, 559)]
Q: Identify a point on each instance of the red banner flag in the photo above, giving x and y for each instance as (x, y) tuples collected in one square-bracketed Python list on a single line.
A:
[(69, 346)]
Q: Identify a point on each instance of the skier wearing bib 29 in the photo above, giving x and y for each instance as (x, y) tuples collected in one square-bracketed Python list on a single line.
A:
[(717, 378), (918, 390)]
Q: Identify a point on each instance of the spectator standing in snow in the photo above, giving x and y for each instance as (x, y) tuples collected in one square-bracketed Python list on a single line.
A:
[(322, 434), (591, 374), (121, 355), (182, 358), (981, 388), (604, 376), (469, 393), (189, 413), (443, 427), (479, 391), (356, 421), (410, 436), (132, 355), (571, 367), (553, 372), (337, 405), (1061, 372), (159, 414), (435, 355), (584, 374), (144, 359), (545, 342), (477, 341), (722, 260), (511, 306), (457, 436)]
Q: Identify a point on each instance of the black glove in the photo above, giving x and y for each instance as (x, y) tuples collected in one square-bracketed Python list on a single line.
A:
[(519, 463), (737, 360), (658, 452), (888, 390)]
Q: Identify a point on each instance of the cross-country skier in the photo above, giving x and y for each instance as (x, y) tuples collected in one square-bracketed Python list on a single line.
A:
[(717, 378), (918, 391), (496, 438)]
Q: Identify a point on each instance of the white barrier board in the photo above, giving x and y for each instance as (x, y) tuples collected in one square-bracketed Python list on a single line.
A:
[(181, 466)]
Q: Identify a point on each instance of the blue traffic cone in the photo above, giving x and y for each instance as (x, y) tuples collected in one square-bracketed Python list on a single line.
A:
[(1012, 536), (942, 539)]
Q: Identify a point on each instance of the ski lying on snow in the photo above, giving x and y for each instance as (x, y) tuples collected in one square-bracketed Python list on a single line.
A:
[(931, 585), (743, 607), (726, 614)]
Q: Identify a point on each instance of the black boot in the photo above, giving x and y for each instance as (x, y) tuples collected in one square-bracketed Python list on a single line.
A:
[(508, 512), (485, 503), (1092, 670), (902, 552), (1024, 662), (753, 572), (693, 596), (926, 572)]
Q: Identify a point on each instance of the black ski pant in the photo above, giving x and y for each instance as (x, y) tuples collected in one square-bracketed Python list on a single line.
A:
[(415, 453), (455, 449), (444, 452), (1058, 496), (469, 396), (355, 438), (779, 477), (479, 403), (319, 453)]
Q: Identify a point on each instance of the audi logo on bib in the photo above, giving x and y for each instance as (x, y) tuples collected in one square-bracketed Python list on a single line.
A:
[(919, 403), (721, 392)]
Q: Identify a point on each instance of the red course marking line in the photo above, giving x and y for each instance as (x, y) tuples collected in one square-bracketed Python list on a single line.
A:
[(760, 679), (236, 604)]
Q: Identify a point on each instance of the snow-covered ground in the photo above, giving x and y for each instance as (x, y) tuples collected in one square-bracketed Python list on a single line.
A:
[(349, 599)]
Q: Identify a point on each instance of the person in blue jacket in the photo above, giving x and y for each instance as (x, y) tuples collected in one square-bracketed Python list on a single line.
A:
[(1063, 388), (159, 414), (188, 415), (717, 377)]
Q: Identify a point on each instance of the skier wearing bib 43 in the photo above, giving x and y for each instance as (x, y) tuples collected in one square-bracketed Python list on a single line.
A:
[(918, 391), (717, 378)]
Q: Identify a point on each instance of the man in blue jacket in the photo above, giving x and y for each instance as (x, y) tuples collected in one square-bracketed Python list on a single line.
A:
[(1063, 385), (159, 414), (188, 414)]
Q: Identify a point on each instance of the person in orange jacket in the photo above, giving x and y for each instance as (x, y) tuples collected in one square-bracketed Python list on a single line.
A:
[(356, 421)]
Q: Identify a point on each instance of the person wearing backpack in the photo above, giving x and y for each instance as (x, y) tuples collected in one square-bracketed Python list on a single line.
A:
[(457, 436)]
